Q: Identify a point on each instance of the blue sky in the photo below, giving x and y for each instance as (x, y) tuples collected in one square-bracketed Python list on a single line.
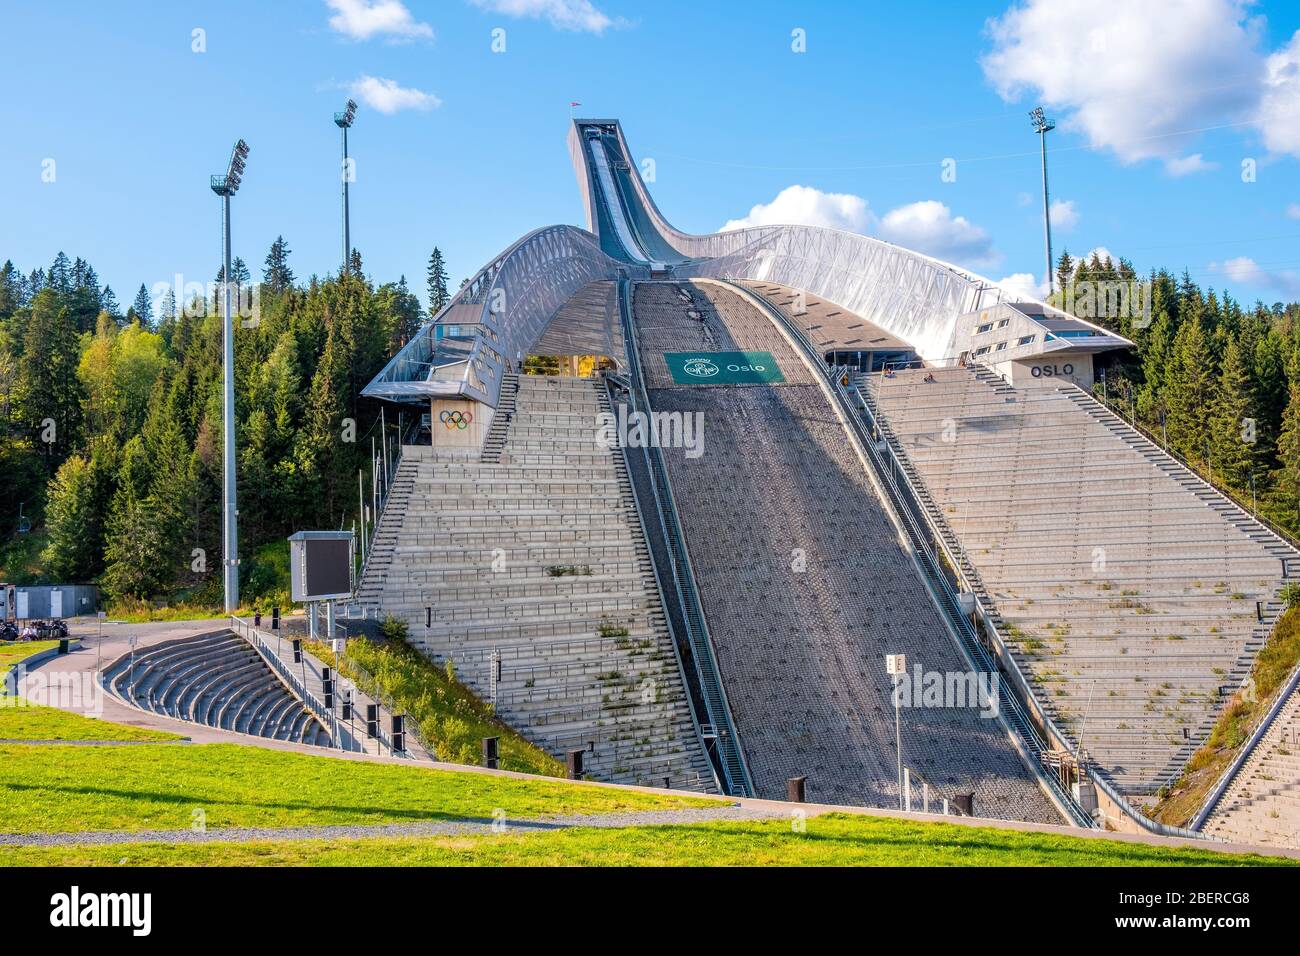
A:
[(1159, 104)]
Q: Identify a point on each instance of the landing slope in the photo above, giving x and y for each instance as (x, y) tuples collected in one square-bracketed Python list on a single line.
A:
[(804, 582)]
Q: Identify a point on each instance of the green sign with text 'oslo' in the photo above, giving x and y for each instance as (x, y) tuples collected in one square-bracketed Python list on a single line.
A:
[(723, 368)]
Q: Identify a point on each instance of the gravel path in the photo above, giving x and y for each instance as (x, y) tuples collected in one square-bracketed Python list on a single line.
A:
[(466, 826), (16, 741)]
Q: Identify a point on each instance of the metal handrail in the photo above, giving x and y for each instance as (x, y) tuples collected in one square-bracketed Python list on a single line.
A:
[(622, 382), (382, 502), (1026, 692), (735, 770), (1225, 779), (374, 690), (254, 637), (1261, 730), (962, 560), (914, 518), (1282, 535)]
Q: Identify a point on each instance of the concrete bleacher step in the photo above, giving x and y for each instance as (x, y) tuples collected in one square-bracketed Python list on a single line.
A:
[(1028, 491), (1262, 801), (473, 541), (217, 680), (798, 650)]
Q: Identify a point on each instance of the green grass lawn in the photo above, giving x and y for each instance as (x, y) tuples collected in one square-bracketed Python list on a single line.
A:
[(34, 722), (835, 840), (11, 652), (22, 720), (54, 788), (451, 718)]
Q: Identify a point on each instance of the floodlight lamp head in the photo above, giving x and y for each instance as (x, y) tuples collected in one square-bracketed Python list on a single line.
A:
[(345, 119), (234, 172), (1039, 121)]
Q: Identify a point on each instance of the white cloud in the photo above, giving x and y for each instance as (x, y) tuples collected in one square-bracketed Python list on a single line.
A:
[(1065, 215), (1102, 254), (1141, 82), (1185, 165), (388, 97), (1293, 210), (1279, 108), (1248, 272), (576, 15), (363, 19), (930, 227), (806, 206), (1022, 285)]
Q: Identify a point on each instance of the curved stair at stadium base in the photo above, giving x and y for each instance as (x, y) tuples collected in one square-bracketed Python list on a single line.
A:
[(553, 499), (208, 679), (1203, 492), (810, 372)]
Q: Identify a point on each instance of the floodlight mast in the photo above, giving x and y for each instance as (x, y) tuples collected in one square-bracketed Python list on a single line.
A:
[(225, 187), (344, 122), (1042, 126)]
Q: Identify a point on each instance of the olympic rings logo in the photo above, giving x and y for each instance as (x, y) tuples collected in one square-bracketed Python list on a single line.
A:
[(456, 419)]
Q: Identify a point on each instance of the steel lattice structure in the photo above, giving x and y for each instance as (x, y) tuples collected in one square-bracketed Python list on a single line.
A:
[(505, 308)]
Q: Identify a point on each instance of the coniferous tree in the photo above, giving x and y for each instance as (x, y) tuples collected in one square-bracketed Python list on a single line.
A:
[(1189, 390), (167, 307), (1157, 343), (1234, 426), (77, 512), (1064, 272), (109, 304), (277, 275), (52, 391), (11, 290), (1270, 391), (1288, 452), (142, 308), (437, 282), (134, 552), (59, 277), (402, 308)]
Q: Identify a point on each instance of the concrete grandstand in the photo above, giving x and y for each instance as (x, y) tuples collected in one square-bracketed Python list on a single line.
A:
[(897, 457)]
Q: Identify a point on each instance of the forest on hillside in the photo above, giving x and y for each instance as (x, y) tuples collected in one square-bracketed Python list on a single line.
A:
[(110, 420), (1215, 381)]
